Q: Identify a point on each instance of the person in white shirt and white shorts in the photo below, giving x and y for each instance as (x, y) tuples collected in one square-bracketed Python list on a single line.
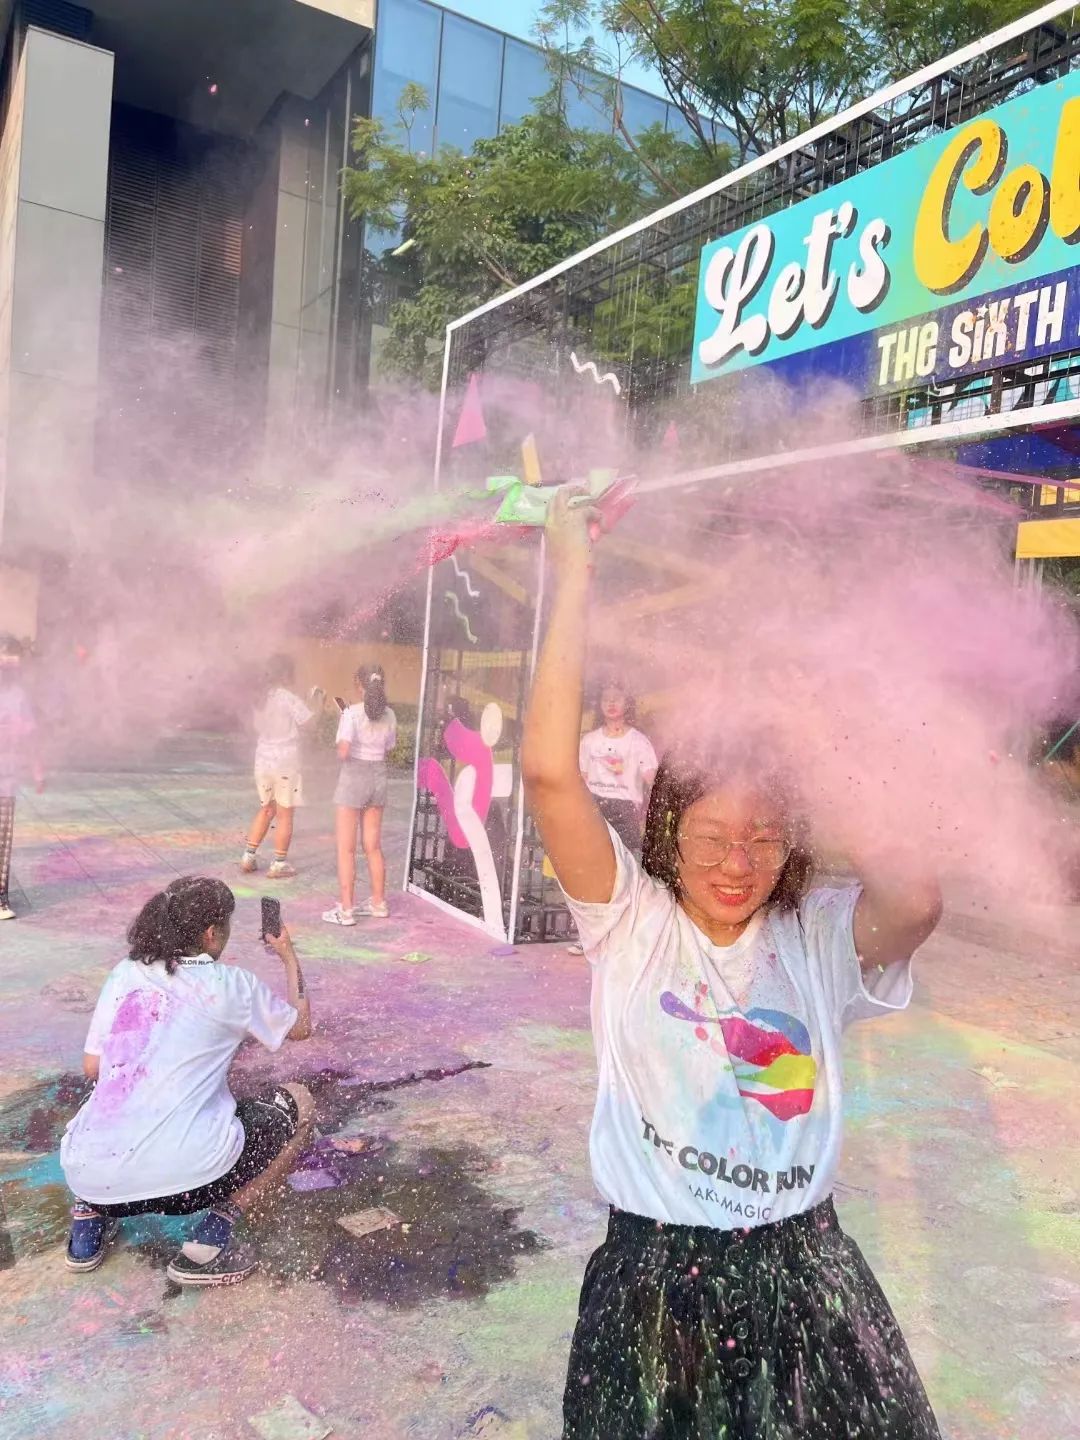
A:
[(279, 720)]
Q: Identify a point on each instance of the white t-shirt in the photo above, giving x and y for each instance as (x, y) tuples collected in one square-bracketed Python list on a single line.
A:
[(615, 766), (720, 1075), (277, 725), (368, 739), (161, 1118)]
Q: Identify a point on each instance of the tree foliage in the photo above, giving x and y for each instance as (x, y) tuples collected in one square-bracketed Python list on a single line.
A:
[(473, 225), (747, 75), (769, 69)]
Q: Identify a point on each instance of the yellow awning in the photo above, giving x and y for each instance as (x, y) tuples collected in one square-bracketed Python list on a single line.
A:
[(1047, 539)]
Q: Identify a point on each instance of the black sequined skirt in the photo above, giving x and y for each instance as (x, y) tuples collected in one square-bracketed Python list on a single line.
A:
[(779, 1332)]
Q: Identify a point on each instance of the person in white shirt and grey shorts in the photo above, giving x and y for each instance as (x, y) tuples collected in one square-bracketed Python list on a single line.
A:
[(366, 735)]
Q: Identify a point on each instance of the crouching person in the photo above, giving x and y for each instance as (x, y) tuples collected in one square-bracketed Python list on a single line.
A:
[(161, 1133)]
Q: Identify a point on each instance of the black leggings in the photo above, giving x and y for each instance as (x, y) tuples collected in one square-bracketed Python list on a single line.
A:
[(624, 817), (779, 1332), (270, 1121), (7, 835)]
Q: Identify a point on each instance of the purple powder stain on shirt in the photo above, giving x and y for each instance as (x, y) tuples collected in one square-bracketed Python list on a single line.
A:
[(128, 1042)]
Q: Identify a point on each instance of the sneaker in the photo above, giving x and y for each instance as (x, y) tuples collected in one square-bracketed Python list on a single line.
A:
[(90, 1237), (280, 870), (339, 916), (229, 1266), (6, 912), (575, 949), (248, 863), (377, 912)]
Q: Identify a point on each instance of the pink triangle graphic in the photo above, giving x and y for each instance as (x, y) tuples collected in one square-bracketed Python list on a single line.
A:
[(470, 425)]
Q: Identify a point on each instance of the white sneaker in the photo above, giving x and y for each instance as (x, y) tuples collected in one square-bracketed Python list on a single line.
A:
[(248, 863), (376, 912), (339, 916), (575, 949), (280, 870), (6, 912)]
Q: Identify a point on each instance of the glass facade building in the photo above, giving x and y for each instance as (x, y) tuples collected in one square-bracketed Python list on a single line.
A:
[(479, 79), (208, 287)]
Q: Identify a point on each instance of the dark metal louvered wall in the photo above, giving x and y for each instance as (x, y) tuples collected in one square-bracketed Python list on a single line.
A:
[(170, 392)]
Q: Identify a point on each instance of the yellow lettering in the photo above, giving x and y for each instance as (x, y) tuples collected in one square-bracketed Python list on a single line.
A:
[(1065, 175), (1018, 213), (976, 156)]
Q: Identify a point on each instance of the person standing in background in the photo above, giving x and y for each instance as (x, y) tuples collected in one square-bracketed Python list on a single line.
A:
[(278, 723), (366, 735), (618, 764), (1056, 756), (18, 732)]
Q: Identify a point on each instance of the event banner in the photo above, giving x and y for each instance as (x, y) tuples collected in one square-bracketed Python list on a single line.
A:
[(956, 256)]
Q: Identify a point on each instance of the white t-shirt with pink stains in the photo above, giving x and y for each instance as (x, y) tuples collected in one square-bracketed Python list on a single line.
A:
[(720, 1094), (161, 1118)]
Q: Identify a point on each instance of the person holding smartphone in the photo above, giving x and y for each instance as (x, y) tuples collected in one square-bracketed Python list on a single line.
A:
[(161, 1133), (279, 720)]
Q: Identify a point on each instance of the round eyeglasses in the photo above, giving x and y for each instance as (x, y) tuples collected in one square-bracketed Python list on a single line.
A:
[(764, 852)]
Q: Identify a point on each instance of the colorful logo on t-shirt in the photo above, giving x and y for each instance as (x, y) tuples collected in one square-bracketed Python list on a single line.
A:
[(770, 1052), (615, 763)]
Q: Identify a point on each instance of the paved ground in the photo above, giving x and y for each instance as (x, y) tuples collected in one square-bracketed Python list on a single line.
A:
[(457, 1091)]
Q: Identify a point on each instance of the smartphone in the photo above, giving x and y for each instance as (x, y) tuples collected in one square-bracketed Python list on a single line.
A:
[(340, 703), (271, 917)]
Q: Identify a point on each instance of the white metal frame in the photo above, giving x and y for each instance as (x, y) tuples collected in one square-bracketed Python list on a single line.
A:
[(975, 427)]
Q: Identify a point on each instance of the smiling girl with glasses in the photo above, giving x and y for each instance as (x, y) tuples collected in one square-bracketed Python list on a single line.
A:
[(725, 1301)]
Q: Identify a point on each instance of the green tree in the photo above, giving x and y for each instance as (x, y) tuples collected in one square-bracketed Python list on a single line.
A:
[(769, 69), (474, 225)]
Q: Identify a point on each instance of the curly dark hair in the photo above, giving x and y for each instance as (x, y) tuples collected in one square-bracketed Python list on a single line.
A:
[(172, 923), (681, 780)]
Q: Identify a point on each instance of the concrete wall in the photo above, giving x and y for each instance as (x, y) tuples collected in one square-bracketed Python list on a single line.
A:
[(53, 167), (332, 666), (359, 12), (18, 602)]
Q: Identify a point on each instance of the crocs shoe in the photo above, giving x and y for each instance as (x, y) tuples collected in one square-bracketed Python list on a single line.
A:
[(339, 916), (229, 1266), (280, 870), (248, 863), (90, 1237), (376, 912), (6, 912)]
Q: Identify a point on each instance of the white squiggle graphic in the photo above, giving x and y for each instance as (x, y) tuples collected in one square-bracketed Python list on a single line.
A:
[(464, 575), (449, 595), (589, 368)]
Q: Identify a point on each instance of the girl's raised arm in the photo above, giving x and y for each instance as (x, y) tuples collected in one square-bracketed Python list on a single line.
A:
[(574, 834)]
